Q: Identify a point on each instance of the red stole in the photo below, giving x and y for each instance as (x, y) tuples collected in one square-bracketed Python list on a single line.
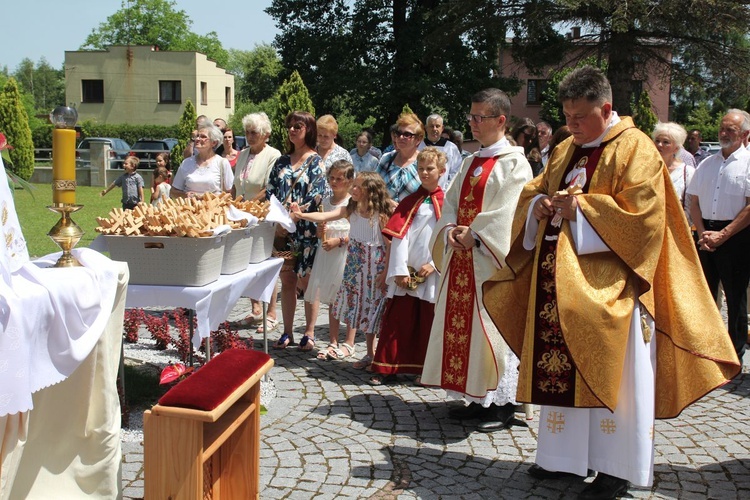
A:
[(554, 374), (461, 294), (403, 216)]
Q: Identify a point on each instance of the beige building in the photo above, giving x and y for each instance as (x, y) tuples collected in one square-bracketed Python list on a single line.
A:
[(143, 85)]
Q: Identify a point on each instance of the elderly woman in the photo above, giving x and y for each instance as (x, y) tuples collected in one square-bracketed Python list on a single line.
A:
[(362, 159), (668, 138), (328, 150), (251, 172), (204, 172), (399, 167), (255, 162), (297, 177)]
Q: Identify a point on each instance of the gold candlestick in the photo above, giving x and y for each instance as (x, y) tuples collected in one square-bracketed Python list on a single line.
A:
[(65, 233)]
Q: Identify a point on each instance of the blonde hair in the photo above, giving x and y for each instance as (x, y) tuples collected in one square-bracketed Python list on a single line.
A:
[(329, 123), (406, 119), (431, 153)]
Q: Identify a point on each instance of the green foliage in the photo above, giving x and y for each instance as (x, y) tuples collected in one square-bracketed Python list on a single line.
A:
[(406, 109), (43, 83), (154, 22), (349, 128), (243, 109), (14, 123), (704, 120), (292, 96), (643, 114), (257, 72), (185, 128)]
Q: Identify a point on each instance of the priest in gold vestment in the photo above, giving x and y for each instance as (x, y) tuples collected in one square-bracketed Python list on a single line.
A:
[(593, 299)]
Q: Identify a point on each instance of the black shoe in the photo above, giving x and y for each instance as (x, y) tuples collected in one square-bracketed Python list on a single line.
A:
[(473, 410), (604, 487), (538, 472), (498, 418)]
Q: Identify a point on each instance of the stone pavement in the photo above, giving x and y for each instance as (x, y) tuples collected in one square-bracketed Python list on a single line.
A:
[(328, 434)]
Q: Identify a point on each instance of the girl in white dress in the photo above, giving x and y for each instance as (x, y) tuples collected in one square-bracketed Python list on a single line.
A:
[(328, 268), (361, 297)]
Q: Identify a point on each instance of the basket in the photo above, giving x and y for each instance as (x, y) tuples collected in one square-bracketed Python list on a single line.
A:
[(261, 238), (236, 251), (167, 260)]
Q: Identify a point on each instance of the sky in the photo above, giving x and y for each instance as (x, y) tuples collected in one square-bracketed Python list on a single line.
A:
[(26, 30)]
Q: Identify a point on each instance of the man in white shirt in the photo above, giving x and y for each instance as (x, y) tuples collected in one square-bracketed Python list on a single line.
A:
[(434, 129), (720, 198)]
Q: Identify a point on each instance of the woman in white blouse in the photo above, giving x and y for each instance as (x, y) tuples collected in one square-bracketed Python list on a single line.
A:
[(205, 172), (255, 161), (668, 138)]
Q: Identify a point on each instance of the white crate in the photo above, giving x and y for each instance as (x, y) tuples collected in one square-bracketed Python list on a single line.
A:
[(167, 260), (237, 250), (261, 237)]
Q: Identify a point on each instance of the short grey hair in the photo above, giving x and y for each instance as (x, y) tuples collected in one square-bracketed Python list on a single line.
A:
[(673, 130), (587, 83), (213, 132), (497, 100), (745, 117), (257, 121), (433, 117)]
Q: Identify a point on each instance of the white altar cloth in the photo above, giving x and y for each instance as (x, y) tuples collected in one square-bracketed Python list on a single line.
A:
[(213, 302)]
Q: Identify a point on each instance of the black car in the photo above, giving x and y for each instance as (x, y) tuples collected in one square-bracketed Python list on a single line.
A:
[(118, 151), (147, 149)]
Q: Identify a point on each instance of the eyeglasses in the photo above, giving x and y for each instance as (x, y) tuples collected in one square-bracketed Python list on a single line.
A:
[(404, 133), (297, 126), (478, 118)]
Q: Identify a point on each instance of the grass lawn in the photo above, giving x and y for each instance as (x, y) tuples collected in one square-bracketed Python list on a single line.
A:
[(36, 220)]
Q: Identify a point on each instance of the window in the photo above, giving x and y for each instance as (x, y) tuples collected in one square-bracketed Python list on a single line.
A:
[(228, 97), (204, 93), (170, 91), (92, 90), (534, 91)]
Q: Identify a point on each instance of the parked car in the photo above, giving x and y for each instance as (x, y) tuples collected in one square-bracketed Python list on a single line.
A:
[(240, 142), (711, 147), (118, 151), (147, 149)]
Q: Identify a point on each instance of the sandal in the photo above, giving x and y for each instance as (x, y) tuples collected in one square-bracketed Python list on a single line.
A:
[(307, 343), (271, 325), (323, 354), (247, 322), (284, 341), (363, 363), (335, 351), (382, 379)]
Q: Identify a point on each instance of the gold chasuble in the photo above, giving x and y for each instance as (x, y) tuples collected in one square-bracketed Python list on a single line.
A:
[(567, 316)]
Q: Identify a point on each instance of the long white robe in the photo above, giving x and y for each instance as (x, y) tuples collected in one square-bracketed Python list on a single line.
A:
[(491, 373)]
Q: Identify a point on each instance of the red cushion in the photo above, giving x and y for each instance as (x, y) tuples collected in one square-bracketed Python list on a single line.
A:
[(216, 380)]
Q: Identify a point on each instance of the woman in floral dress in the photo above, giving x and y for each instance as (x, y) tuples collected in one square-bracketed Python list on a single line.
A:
[(297, 177)]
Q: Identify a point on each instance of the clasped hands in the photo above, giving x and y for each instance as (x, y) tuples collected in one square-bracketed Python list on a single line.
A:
[(563, 205), (460, 238), (709, 241)]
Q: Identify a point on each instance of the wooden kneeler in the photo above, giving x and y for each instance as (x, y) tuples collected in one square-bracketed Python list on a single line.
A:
[(202, 439)]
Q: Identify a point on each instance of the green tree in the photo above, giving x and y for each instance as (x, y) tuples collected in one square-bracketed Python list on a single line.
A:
[(154, 22), (375, 56), (14, 123), (702, 119), (185, 128), (552, 111), (643, 114), (43, 82), (292, 96), (258, 72)]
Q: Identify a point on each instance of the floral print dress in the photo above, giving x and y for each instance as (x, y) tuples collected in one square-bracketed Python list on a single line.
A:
[(306, 187), (359, 302)]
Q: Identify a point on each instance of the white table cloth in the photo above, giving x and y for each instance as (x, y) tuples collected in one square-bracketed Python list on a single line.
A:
[(213, 302)]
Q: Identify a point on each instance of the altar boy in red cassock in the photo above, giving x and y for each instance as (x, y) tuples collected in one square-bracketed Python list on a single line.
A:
[(411, 278)]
